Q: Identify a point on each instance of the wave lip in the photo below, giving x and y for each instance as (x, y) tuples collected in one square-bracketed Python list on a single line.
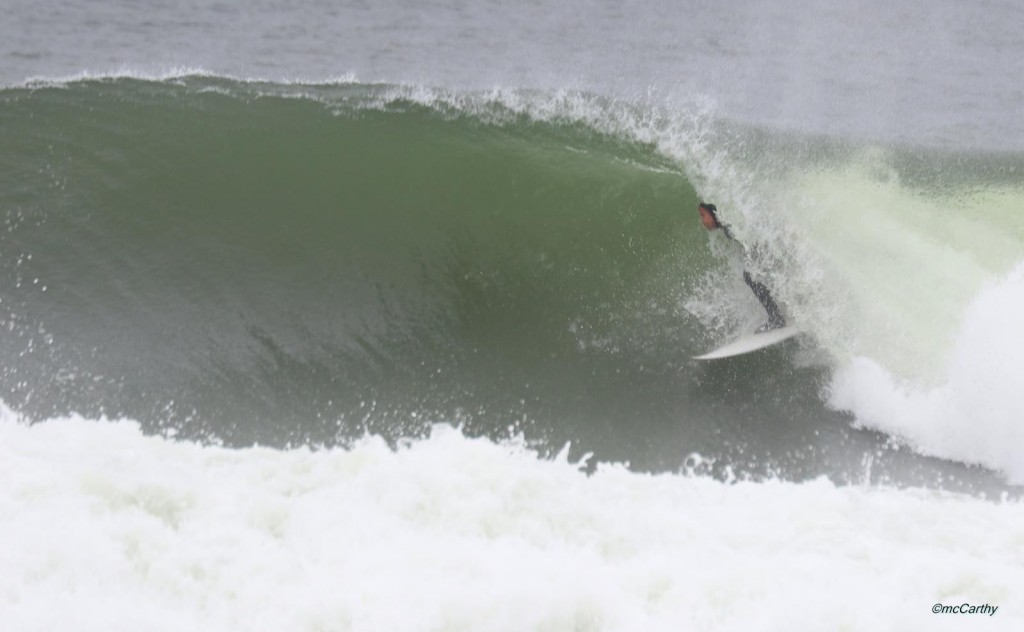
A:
[(176, 73)]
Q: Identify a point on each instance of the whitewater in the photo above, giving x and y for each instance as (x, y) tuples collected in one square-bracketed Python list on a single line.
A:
[(454, 533)]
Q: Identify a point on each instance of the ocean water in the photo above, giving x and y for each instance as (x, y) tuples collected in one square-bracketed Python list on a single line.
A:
[(381, 316)]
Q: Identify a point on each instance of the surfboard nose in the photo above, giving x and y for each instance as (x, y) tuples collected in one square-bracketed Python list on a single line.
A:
[(750, 343)]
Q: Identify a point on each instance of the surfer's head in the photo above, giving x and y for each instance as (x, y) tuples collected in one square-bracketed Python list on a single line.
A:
[(708, 216)]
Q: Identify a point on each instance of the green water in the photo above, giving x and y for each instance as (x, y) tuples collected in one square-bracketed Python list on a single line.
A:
[(256, 263)]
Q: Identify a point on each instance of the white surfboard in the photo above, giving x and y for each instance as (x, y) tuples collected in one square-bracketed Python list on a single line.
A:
[(750, 342)]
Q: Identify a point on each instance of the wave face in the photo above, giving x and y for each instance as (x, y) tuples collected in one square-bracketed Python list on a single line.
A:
[(287, 264), (328, 255)]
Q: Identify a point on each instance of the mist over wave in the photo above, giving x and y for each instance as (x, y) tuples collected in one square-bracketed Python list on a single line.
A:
[(974, 413)]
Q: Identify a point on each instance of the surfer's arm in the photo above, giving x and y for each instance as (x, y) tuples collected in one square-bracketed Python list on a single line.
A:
[(727, 231)]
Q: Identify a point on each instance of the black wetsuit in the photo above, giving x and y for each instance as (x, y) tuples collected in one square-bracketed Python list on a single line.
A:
[(775, 318)]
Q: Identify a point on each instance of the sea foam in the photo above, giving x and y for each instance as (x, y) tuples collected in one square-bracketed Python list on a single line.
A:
[(129, 532)]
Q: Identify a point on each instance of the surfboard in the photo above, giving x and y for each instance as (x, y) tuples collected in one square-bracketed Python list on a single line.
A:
[(750, 342)]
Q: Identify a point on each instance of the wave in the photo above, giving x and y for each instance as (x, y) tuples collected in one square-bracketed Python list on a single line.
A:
[(246, 261)]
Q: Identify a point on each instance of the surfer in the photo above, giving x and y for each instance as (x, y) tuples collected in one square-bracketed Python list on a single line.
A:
[(709, 218)]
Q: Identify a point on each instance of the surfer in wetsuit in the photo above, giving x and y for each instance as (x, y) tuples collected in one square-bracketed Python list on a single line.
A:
[(709, 218)]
